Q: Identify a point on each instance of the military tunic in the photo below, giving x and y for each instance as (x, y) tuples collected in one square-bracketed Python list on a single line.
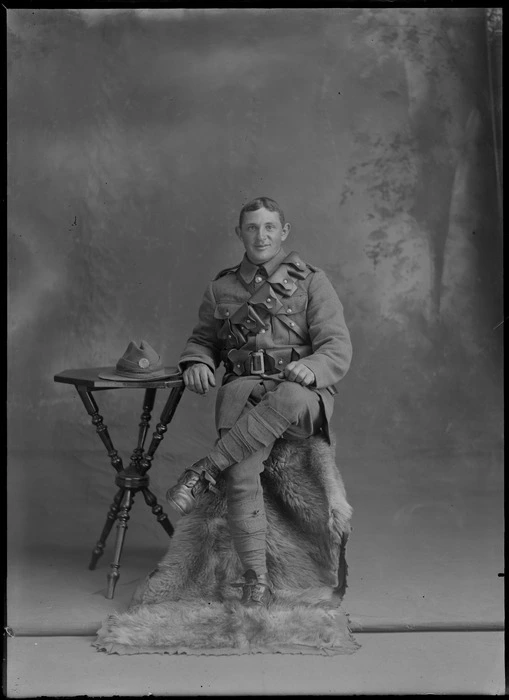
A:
[(286, 308)]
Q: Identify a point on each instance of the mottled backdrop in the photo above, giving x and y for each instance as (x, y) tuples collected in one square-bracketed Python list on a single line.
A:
[(134, 137)]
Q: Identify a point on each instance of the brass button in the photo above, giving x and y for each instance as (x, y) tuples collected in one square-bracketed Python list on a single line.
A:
[(285, 281), (292, 323), (238, 364), (263, 330), (289, 311), (227, 313), (280, 362), (258, 279), (230, 336)]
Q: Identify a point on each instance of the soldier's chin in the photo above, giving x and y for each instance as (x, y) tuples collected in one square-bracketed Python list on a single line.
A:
[(261, 254)]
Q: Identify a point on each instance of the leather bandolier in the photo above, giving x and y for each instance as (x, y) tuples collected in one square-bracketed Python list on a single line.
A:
[(238, 332)]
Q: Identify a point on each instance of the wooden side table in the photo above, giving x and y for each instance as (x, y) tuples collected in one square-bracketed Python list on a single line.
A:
[(134, 478)]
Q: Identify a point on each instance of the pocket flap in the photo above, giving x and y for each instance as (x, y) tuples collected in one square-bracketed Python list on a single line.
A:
[(282, 280), (294, 305), (226, 309)]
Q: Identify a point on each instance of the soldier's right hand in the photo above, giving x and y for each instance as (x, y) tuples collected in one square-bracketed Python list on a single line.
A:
[(198, 378)]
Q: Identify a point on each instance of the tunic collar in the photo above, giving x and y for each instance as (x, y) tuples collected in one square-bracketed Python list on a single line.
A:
[(248, 270)]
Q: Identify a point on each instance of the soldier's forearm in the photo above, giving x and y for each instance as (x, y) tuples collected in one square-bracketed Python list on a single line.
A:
[(329, 369)]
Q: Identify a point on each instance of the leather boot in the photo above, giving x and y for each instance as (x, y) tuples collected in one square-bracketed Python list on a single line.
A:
[(256, 590), (199, 478)]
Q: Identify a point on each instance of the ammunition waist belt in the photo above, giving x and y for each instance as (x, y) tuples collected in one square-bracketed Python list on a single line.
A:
[(263, 361)]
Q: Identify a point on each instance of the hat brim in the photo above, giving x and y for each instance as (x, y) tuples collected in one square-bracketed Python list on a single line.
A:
[(112, 375)]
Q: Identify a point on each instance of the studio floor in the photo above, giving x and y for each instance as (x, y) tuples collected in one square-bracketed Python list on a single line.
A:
[(425, 596)]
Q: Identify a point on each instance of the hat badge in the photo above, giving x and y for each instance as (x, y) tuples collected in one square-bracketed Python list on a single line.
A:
[(144, 363)]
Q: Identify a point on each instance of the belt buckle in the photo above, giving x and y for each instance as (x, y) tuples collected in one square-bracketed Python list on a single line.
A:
[(257, 362)]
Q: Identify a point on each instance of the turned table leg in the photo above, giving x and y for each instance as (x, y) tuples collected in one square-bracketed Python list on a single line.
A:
[(116, 462), (157, 510), (146, 462), (122, 520), (110, 519), (166, 416), (148, 405), (97, 420)]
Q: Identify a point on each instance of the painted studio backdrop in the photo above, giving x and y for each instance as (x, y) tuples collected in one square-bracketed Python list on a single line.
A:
[(134, 137)]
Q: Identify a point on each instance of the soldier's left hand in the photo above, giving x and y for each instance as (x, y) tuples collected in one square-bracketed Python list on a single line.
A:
[(297, 372)]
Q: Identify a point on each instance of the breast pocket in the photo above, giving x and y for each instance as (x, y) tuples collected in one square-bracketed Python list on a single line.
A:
[(292, 319), (226, 309), (231, 335)]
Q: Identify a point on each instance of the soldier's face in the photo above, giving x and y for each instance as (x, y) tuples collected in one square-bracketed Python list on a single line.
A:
[(262, 234)]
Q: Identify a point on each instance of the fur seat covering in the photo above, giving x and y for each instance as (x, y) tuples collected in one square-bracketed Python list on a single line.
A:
[(187, 605)]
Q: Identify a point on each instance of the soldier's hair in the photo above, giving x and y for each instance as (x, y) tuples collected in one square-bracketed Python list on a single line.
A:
[(259, 203)]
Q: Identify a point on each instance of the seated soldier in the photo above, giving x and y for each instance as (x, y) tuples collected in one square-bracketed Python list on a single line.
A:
[(277, 325)]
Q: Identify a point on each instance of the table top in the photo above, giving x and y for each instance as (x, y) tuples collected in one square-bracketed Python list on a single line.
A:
[(89, 378)]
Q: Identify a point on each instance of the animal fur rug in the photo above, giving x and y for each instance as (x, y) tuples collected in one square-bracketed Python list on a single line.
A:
[(187, 605)]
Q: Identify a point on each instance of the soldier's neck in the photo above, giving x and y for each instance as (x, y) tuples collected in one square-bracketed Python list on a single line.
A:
[(280, 254)]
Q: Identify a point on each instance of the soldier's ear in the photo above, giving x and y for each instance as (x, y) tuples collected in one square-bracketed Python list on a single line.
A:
[(286, 231), (238, 232)]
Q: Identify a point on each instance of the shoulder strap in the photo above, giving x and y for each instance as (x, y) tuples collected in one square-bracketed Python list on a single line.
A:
[(227, 271), (296, 266)]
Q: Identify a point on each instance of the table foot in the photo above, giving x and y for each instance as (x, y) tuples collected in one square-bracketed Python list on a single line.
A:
[(157, 510), (123, 517), (111, 517), (112, 582)]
